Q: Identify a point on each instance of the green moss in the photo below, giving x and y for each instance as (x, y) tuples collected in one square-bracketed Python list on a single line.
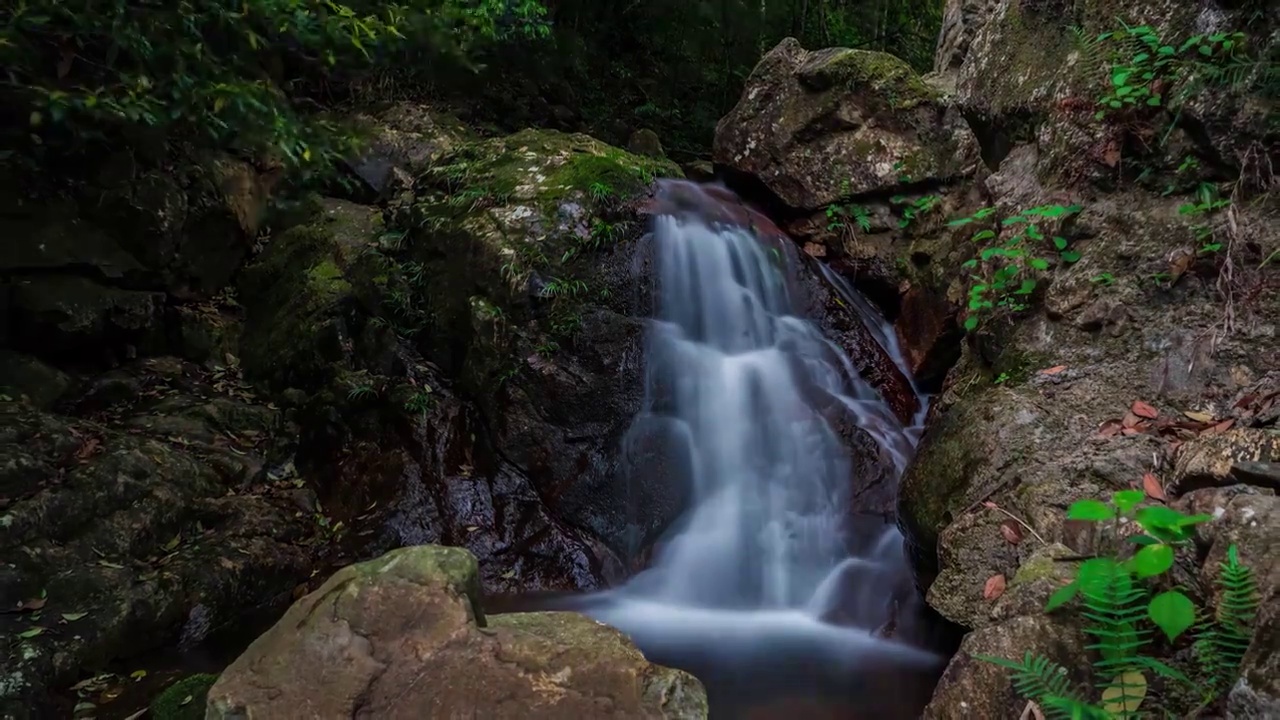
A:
[(620, 171), (327, 279), (1043, 565), (887, 74), (936, 484), (183, 700)]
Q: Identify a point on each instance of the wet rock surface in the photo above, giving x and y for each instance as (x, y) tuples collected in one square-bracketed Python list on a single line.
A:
[(405, 636)]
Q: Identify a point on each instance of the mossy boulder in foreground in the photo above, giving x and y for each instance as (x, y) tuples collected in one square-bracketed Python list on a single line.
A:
[(403, 636)]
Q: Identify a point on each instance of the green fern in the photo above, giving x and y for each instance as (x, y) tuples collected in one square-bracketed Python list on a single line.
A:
[(1044, 682), (1115, 607), (1222, 642)]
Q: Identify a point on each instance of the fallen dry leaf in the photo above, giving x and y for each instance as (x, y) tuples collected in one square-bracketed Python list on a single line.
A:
[(1032, 712), (1130, 432), (1142, 409), (1152, 486), (1198, 416), (1130, 420), (89, 447), (1110, 428), (1053, 370), (989, 505), (994, 587), (1220, 428), (1011, 531)]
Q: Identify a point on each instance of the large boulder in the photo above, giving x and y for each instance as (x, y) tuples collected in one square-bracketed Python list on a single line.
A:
[(154, 514), (818, 127), (392, 449), (535, 293), (405, 636)]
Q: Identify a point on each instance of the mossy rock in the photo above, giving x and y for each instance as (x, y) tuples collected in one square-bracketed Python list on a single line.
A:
[(889, 76), (298, 293), (183, 700), (819, 127), (500, 220)]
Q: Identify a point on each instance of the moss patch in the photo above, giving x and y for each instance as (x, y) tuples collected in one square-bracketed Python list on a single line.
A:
[(183, 700), (887, 74)]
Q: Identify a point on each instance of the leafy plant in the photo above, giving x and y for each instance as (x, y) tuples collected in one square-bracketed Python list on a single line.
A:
[(914, 209), (1005, 271), (1118, 607), (1150, 64), (1207, 202), (1221, 641), (839, 217), (419, 402), (221, 74)]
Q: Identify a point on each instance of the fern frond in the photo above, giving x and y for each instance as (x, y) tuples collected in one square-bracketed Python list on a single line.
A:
[(1116, 608), (1041, 680), (1222, 642)]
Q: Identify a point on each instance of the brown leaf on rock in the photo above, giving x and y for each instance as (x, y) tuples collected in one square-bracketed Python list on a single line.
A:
[(1129, 432), (989, 505), (1220, 428), (1011, 531), (1130, 420), (1110, 428), (1053, 370), (1152, 486), (1199, 417), (994, 587), (87, 449), (1142, 409)]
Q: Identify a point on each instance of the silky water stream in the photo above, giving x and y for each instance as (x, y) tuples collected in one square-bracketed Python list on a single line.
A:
[(769, 589)]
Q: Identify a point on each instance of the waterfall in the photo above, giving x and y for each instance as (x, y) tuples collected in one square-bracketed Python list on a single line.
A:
[(763, 556)]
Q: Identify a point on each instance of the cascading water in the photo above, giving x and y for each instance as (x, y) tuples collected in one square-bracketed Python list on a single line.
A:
[(743, 589)]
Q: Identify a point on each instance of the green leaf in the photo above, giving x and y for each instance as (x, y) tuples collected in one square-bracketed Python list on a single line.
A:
[(1039, 263), (971, 322), (28, 634), (1143, 540), (1194, 520), (1172, 612), (1126, 500), (1154, 101), (1062, 596), (1094, 510), (74, 616), (1206, 50), (1060, 243), (1159, 516), (1152, 560), (1070, 256)]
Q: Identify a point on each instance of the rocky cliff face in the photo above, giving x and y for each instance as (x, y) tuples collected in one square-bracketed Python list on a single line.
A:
[(1153, 279)]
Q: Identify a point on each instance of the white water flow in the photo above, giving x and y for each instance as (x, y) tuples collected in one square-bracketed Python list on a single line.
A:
[(764, 554)]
